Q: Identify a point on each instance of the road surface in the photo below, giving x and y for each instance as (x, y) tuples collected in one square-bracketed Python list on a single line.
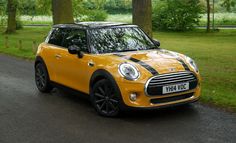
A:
[(27, 116)]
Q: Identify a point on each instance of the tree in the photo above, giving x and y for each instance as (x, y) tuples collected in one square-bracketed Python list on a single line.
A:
[(90, 10), (11, 21), (142, 15), (208, 15), (228, 4), (3, 12), (62, 11), (44, 7)]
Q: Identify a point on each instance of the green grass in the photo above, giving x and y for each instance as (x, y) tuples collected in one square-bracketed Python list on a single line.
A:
[(27, 36), (28, 20), (36, 22), (215, 54), (124, 18), (220, 19)]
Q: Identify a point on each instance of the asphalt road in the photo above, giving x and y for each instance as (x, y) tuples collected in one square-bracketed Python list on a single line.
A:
[(27, 116)]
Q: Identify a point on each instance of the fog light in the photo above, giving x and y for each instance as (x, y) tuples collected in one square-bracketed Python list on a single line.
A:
[(133, 96)]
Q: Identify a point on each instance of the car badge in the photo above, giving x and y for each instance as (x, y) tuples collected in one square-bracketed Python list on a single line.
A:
[(172, 69)]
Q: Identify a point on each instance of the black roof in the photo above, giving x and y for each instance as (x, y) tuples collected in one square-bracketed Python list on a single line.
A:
[(91, 25)]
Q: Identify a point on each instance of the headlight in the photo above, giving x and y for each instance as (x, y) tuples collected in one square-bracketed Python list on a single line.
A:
[(128, 71), (192, 63)]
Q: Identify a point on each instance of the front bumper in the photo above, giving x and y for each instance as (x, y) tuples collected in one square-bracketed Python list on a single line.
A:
[(153, 102), (161, 107)]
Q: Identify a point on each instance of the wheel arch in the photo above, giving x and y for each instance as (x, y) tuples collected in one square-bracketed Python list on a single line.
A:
[(48, 86), (39, 59), (99, 75)]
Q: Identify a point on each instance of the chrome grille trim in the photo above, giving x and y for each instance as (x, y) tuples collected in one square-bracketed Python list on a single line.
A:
[(168, 79), (170, 82), (170, 74), (173, 77)]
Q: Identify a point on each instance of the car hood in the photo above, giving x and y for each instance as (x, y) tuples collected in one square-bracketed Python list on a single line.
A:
[(155, 61)]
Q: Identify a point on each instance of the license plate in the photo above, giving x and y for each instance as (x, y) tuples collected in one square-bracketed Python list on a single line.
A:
[(175, 88)]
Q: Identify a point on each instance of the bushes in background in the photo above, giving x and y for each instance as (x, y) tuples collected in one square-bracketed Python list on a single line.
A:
[(176, 15), (118, 6), (89, 11)]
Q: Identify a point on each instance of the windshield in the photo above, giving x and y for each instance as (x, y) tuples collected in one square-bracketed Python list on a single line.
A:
[(122, 39)]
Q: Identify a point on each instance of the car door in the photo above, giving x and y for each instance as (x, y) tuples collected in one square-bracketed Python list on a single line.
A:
[(73, 71)]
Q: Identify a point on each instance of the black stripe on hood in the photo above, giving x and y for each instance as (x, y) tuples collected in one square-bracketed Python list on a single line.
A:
[(143, 64), (184, 64)]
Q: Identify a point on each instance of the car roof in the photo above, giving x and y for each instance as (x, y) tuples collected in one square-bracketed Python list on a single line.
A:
[(93, 25)]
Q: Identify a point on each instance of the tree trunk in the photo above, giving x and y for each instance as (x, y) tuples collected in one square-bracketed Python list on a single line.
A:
[(142, 15), (62, 11), (208, 16), (11, 21)]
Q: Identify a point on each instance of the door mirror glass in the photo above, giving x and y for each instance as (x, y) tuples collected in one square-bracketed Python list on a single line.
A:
[(73, 49), (156, 42)]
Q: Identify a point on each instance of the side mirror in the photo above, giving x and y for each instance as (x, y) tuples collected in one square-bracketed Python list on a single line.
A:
[(73, 49), (156, 42)]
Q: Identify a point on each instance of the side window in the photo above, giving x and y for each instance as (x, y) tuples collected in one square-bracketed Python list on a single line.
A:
[(56, 37), (76, 37)]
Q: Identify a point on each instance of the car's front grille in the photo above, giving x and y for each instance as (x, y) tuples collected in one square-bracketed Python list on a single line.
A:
[(171, 99), (155, 85)]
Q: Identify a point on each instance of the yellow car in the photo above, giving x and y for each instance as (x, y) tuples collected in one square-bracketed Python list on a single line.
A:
[(117, 65)]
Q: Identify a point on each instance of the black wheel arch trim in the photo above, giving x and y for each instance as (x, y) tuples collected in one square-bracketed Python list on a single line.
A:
[(39, 59), (101, 74)]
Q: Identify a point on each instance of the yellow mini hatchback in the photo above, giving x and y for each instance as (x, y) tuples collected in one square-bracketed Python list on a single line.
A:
[(117, 65)]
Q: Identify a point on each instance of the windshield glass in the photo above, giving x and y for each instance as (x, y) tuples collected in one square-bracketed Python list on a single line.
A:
[(109, 40)]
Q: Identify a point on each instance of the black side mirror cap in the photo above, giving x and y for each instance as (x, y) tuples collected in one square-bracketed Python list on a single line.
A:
[(156, 42)]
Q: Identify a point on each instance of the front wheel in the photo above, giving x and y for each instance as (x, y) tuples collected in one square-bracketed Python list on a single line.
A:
[(105, 98), (42, 78)]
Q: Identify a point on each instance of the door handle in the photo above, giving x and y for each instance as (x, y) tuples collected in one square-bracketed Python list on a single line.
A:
[(91, 64), (58, 56)]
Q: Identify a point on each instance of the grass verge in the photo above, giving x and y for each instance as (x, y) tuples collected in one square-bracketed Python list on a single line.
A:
[(27, 36)]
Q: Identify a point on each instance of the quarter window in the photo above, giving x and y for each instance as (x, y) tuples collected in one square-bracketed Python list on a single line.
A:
[(56, 37)]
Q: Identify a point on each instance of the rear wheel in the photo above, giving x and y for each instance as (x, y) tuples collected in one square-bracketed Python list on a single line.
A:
[(105, 98), (42, 79)]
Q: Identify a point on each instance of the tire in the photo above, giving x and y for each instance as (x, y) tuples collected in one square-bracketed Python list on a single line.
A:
[(42, 78), (105, 98)]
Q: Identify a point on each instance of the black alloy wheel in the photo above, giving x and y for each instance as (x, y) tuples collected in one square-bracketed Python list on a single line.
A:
[(42, 78), (105, 98)]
